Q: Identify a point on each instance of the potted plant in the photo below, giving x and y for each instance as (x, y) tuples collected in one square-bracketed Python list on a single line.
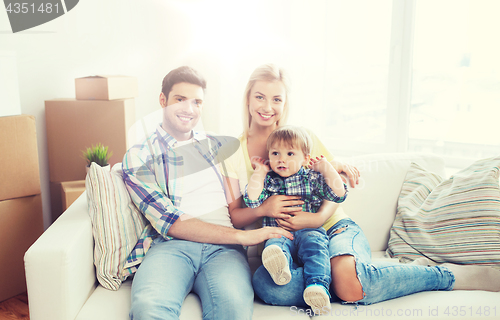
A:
[(98, 154)]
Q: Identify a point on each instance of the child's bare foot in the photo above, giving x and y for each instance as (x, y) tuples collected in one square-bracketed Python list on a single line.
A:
[(472, 277)]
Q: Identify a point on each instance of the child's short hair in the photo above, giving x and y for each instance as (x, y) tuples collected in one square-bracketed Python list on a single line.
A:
[(292, 136)]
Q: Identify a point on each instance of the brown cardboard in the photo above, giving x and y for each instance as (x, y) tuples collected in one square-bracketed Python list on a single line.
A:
[(19, 172), (55, 200), (21, 223), (70, 191), (74, 125), (105, 87)]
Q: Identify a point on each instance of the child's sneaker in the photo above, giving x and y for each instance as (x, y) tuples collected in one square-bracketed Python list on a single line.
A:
[(276, 263), (318, 298)]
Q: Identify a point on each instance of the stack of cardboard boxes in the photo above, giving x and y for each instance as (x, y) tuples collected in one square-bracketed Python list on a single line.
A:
[(103, 111), (21, 217)]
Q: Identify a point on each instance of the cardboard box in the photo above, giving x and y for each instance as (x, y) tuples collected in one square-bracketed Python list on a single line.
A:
[(21, 223), (106, 87), (55, 200), (74, 125), (70, 191), (63, 194), (19, 172)]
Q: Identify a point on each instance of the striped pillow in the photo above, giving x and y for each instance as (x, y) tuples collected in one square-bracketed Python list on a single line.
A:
[(455, 220), (116, 223)]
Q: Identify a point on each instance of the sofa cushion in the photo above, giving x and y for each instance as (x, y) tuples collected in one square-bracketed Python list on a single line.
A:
[(116, 223), (372, 204), (454, 220)]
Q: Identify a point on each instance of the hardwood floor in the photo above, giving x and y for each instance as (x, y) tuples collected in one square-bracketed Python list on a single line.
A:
[(15, 308)]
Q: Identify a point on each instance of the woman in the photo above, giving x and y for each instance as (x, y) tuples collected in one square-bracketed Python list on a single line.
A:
[(354, 277)]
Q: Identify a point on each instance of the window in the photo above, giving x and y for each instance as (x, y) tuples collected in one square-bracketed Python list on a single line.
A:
[(418, 76), (358, 41), (455, 95), (368, 54), (379, 76)]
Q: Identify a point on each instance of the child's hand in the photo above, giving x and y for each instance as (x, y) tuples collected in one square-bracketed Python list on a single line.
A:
[(321, 165), (260, 165)]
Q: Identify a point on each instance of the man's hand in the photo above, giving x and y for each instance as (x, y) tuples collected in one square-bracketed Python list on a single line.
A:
[(279, 206), (253, 237)]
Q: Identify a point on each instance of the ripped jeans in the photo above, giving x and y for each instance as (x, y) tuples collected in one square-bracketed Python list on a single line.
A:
[(380, 280)]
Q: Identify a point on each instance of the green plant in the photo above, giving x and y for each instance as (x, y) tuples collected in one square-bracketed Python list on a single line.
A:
[(98, 154)]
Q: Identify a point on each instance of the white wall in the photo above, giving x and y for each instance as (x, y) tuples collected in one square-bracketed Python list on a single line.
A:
[(224, 40), (9, 85)]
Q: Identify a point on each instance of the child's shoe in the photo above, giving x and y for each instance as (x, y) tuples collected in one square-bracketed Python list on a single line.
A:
[(318, 298), (276, 263)]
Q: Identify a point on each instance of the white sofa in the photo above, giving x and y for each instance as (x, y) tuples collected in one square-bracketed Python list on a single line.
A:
[(62, 284)]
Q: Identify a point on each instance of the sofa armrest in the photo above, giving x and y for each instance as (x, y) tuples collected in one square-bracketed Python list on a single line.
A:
[(60, 273)]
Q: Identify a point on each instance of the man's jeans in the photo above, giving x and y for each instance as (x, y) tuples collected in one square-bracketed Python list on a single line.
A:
[(218, 274), (380, 280), (309, 248)]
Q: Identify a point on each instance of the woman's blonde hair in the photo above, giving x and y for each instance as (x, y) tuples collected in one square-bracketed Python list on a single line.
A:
[(270, 73)]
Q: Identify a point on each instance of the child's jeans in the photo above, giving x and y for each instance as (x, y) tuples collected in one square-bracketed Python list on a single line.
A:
[(380, 280), (309, 248)]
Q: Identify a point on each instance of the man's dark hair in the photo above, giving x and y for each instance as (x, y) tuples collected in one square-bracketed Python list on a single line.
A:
[(182, 74)]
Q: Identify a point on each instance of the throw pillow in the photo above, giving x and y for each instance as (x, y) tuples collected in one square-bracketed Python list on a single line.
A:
[(455, 220), (116, 223)]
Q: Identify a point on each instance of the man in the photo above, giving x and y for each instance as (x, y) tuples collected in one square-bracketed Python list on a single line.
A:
[(190, 245)]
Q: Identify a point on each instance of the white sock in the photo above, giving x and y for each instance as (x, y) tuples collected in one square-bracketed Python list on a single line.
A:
[(473, 277)]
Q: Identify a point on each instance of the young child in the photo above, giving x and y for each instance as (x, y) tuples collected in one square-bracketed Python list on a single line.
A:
[(289, 150)]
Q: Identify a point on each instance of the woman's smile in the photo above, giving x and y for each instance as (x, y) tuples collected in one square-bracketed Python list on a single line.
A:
[(265, 116)]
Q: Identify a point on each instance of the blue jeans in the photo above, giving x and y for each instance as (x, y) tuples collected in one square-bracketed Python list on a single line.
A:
[(380, 280), (309, 248), (218, 274)]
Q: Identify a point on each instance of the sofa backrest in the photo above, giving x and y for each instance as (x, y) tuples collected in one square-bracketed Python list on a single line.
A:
[(372, 204)]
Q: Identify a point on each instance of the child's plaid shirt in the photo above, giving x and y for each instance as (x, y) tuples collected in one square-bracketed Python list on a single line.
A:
[(308, 184)]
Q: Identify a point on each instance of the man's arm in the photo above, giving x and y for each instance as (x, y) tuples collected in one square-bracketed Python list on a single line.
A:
[(146, 194), (165, 218), (198, 231)]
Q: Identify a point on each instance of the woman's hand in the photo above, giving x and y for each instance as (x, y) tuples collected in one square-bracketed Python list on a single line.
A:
[(300, 220), (351, 171), (281, 206)]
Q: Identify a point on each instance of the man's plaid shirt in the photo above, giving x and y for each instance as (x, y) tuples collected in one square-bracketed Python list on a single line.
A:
[(146, 168), (308, 184)]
